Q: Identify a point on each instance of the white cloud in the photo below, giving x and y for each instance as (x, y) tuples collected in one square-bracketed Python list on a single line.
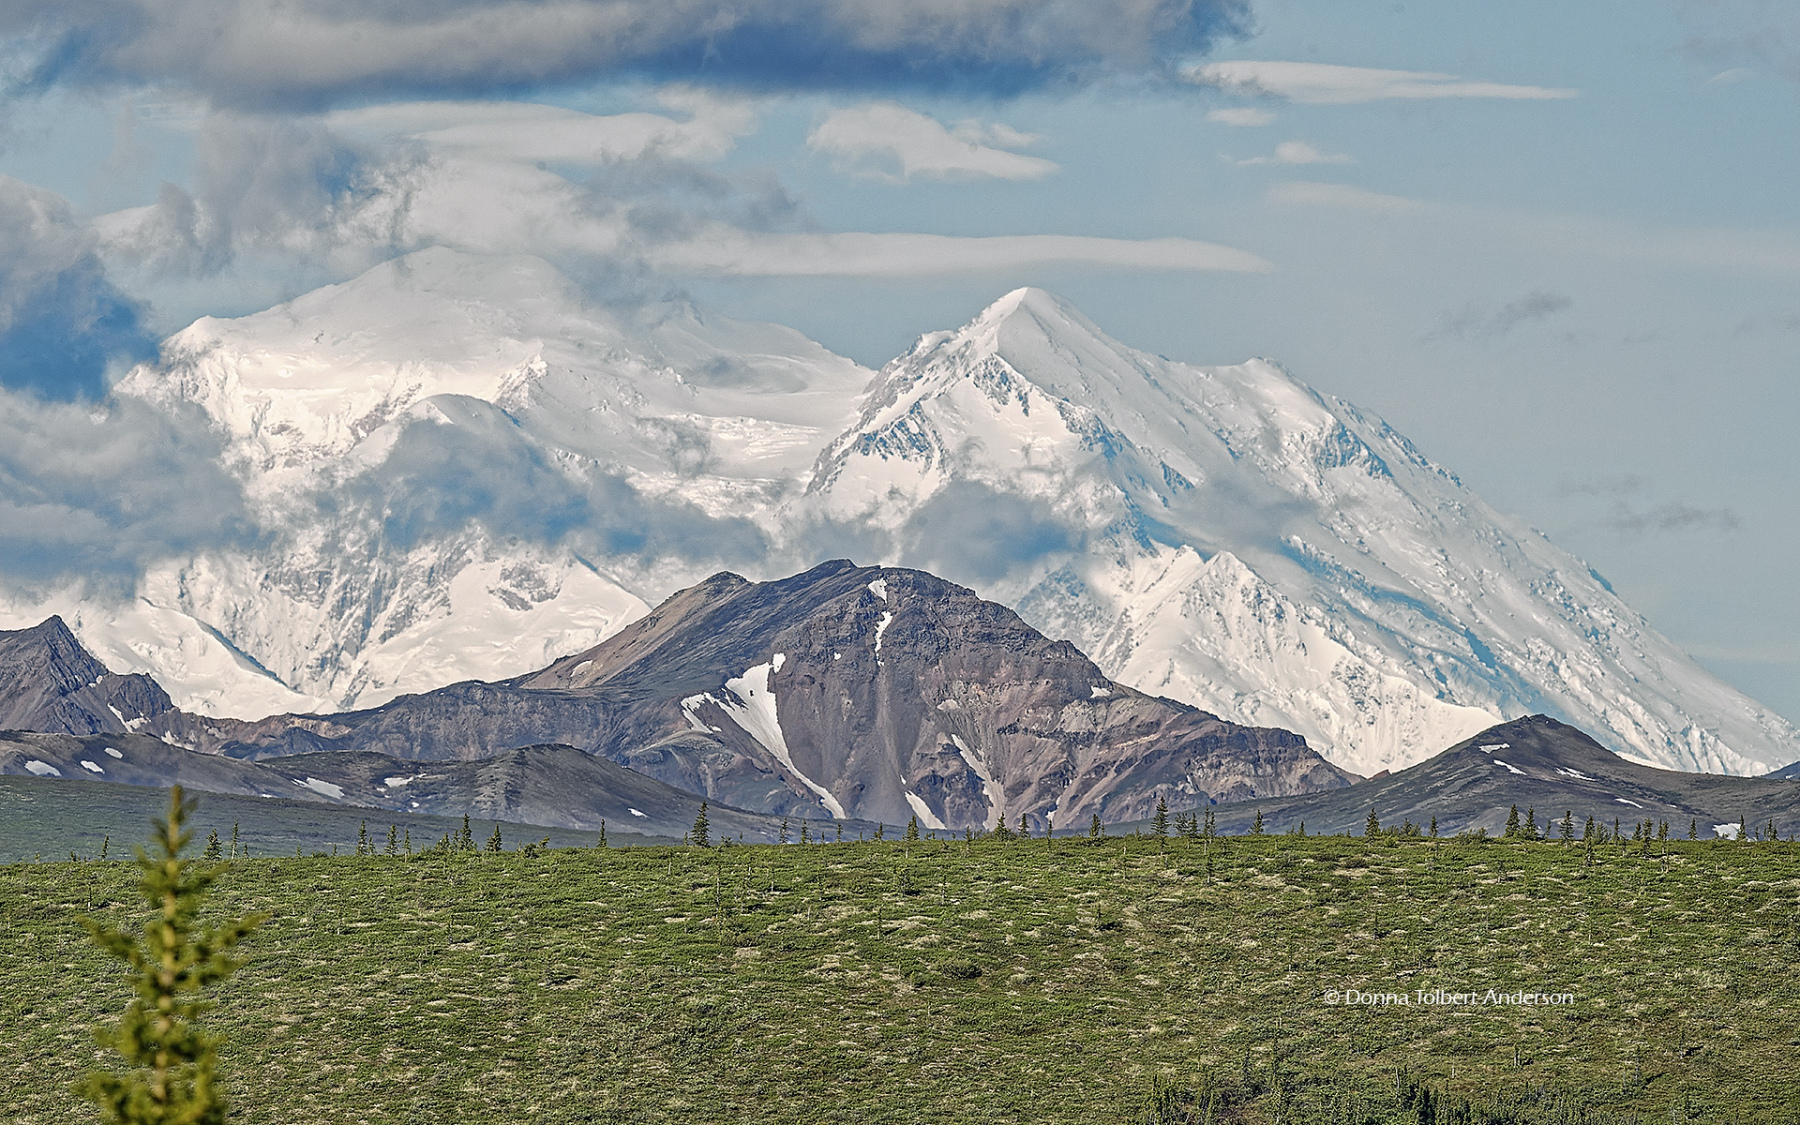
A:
[(1306, 194), (1298, 152), (883, 140), (1241, 117), (528, 131), (728, 251), (1328, 84)]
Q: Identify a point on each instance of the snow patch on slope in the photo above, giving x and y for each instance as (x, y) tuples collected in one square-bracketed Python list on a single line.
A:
[(923, 810), (996, 797), (752, 706)]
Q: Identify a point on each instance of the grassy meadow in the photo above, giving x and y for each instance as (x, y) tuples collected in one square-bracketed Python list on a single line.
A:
[(1120, 980)]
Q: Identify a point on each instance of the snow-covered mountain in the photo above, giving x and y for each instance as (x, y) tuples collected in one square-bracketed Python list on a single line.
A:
[(1272, 554), (466, 469)]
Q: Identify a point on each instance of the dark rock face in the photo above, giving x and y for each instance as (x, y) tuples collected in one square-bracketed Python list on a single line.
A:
[(1534, 763), (855, 693), (48, 682)]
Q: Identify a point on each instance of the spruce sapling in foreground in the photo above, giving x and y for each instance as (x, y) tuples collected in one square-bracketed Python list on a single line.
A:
[(171, 1061)]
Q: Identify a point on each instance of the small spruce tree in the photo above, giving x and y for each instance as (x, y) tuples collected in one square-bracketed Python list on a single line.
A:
[(1372, 826), (701, 833), (234, 840), (601, 843), (407, 841), (1567, 830), (1434, 830), (1024, 828), (1256, 826), (465, 840), (1001, 831), (213, 849), (912, 829), (171, 1061), (803, 835), (1693, 828), (784, 829), (1743, 834), (1159, 824), (1094, 827), (494, 844), (393, 847), (1531, 828), (1512, 823)]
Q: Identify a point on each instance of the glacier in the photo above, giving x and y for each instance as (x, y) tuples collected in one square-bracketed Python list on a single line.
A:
[(1225, 536)]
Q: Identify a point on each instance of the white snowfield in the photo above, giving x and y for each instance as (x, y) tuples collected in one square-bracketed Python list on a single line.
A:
[(1223, 535)]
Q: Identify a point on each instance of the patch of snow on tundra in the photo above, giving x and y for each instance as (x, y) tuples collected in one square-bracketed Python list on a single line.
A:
[(755, 712), (114, 753), (90, 766), (879, 588), (1510, 766), (1100, 693), (43, 769), (633, 812), (880, 628), (1623, 801), (322, 788)]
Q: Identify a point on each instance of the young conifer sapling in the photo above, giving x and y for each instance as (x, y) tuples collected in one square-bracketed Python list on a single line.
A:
[(171, 1062)]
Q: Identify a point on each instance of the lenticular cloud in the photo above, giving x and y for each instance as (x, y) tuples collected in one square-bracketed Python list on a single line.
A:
[(316, 52)]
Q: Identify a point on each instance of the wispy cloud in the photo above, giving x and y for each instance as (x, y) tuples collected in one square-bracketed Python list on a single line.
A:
[(1626, 512), (739, 253), (528, 131), (883, 140), (1303, 193), (1770, 249), (314, 53), (1328, 84), (1475, 321), (1241, 117), (1727, 32), (1297, 152)]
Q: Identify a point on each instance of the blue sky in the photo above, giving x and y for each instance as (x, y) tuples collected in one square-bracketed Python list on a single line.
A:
[(1557, 245)]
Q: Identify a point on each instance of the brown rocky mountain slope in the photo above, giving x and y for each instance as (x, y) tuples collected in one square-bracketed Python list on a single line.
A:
[(843, 692)]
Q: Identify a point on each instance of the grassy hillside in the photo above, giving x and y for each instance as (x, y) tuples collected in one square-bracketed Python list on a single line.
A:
[(1121, 980)]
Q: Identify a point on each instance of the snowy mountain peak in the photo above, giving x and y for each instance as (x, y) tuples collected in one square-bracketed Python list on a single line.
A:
[(1267, 552), (465, 467)]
